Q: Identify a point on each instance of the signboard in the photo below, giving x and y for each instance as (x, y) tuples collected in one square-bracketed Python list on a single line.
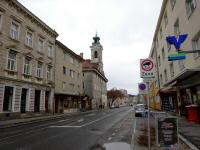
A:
[(147, 68), (142, 88), (167, 132)]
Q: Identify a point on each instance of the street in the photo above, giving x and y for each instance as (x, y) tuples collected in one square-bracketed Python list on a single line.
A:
[(86, 131)]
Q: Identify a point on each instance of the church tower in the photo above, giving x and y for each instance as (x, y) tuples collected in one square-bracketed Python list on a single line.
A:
[(96, 53)]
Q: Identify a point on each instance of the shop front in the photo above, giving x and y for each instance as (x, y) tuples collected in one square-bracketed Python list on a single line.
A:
[(187, 86)]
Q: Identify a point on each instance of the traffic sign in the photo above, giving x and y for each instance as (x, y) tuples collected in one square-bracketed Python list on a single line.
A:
[(147, 68), (142, 88)]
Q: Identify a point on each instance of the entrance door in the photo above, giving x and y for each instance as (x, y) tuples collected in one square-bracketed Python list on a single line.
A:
[(37, 101), (23, 100), (46, 101), (8, 98)]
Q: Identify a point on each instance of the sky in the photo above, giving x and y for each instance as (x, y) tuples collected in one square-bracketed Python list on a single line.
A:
[(125, 27)]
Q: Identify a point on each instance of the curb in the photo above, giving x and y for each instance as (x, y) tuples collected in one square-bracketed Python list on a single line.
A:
[(192, 146)]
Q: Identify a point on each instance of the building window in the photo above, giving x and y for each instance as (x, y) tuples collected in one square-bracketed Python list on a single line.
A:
[(163, 54), (64, 70), (14, 30), (165, 19), (161, 33), (176, 28), (173, 2), (159, 62), (39, 70), (8, 98), (49, 72), (12, 61), (165, 74), (1, 20), (27, 66), (190, 6), (171, 67), (71, 60), (40, 45), (181, 64), (50, 51), (65, 56), (196, 46), (72, 73), (29, 39), (157, 45)]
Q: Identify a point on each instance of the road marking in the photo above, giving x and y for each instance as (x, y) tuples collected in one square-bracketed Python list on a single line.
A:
[(86, 124), (89, 123), (65, 126), (109, 138), (113, 134), (90, 114), (80, 120), (63, 120)]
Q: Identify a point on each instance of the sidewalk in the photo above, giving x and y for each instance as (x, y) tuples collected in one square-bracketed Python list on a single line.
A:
[(39, 118)]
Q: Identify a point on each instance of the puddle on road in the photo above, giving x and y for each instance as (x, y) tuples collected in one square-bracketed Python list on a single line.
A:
[(116, 146)]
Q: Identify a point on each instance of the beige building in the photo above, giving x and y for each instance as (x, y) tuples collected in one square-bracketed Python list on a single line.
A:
[(26, 61), (178, 81), (94, 80), (68, 80)]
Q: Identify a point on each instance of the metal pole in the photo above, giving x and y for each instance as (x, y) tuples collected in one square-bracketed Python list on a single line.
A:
[(149, 135)]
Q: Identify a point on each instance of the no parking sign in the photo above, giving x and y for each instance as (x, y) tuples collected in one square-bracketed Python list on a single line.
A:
[(142, 88)]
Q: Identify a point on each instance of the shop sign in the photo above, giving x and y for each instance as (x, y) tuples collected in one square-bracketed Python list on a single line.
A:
[(167, 132)]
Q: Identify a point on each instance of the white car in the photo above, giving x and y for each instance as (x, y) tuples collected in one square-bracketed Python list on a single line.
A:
[(140, 110)]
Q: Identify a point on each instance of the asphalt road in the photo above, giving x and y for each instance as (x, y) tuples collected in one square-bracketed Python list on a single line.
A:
[(87, 131)]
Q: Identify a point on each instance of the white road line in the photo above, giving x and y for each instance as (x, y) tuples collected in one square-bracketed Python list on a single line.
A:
[(65, 126), (113, 134), (63, 120), (109, 138), (80, 120), (86, 124)]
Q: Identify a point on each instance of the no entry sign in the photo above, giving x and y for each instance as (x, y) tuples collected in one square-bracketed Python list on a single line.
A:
[(147, 68)]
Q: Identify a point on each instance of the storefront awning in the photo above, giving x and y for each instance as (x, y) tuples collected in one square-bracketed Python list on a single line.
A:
[(167, 90), (184, 75)]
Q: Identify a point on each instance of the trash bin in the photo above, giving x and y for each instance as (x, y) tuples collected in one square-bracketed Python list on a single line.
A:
[(192, 113)]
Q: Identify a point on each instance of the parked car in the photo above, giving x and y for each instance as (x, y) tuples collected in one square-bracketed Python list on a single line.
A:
[(140, 110)]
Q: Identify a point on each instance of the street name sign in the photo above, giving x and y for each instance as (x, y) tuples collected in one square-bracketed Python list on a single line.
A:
[(147, 68)]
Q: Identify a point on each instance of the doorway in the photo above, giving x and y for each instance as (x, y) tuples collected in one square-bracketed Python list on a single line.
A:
[(37, 101), (8, 98), (23, 100), (47, 101)]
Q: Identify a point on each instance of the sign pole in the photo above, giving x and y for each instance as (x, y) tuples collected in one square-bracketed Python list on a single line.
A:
[(149, 134)]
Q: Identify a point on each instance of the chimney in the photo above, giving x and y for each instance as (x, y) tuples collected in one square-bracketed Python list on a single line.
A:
[(81, 54)]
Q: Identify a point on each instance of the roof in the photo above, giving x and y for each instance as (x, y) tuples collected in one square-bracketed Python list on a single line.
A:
[(88, 66), (65, 48), (33, 17)]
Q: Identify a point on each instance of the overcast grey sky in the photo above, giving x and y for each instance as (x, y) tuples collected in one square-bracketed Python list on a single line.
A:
[(125, 27)]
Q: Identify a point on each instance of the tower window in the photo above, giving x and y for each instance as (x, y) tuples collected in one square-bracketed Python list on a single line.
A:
[(95, 54)]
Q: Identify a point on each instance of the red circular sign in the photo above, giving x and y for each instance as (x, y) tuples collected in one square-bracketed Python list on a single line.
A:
[(147, 65)]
